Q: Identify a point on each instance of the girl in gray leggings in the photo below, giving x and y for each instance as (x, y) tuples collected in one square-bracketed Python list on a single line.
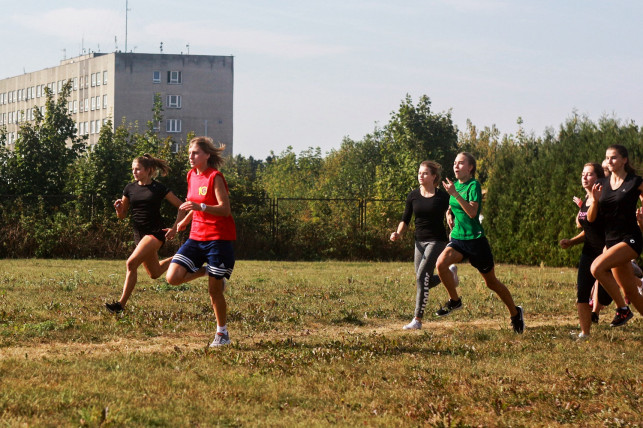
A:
[(429, 204)]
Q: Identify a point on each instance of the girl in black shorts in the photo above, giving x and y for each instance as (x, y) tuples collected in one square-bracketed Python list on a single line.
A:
[(615, 200), (593, 239), (144, 196)]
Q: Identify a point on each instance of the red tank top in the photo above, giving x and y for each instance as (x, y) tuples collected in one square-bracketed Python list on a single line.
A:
[(208, 227)]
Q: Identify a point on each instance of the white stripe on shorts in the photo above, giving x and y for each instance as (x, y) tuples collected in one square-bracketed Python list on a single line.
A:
[(217, 271), (186, 261)]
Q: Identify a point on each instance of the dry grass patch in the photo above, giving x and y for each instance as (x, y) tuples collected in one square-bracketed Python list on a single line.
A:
[(314, 344)]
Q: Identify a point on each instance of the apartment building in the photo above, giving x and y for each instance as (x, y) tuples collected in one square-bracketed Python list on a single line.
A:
[(196, 90)]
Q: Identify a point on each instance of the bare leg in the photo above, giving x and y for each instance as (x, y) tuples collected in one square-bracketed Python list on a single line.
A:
[(448, 257), (215, 288), (177, 274), (584, 317), (618, 255), (156, 268), (501, 290), (625, 277), (144, 253)]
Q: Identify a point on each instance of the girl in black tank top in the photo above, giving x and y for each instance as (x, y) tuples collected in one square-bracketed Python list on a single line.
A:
[(615, 202), (144, 197), (593, 238)]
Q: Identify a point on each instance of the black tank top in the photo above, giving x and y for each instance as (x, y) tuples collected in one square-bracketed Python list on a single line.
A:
[(145, 202), (594, 232), (618, 207)]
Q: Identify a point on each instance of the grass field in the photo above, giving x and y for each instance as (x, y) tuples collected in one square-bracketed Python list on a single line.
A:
[(314, 344)]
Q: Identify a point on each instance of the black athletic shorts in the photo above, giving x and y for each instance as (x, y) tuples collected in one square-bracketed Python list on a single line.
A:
[(158, 234), (477, 251), (635, 241)]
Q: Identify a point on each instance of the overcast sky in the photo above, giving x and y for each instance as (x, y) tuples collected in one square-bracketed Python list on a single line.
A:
[(308, 73)]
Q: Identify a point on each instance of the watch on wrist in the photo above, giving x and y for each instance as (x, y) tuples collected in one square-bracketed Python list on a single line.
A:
[(203, 206)]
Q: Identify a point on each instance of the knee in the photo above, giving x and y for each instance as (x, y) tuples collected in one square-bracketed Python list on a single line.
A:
[(441, 265), (172, 278), (132, 264), (155, 275)]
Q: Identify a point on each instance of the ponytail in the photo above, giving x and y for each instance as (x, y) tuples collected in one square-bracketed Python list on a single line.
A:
[(155, 165)]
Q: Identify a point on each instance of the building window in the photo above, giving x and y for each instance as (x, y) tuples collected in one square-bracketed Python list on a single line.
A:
[(104, 101), (156, 77), (93, 126), (156, 126), (93, 103), (75, 83), (86, 104), (174, 77), (93, 79), (173, 125), (174, 101), (75, 106), (86, 81), (105, 77), (98, 102)]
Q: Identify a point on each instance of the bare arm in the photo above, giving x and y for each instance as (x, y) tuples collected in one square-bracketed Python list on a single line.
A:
[(592, 212), (121, 206), (222, 208), (578, 239), (180, 215), (469, 207), (401, 228)]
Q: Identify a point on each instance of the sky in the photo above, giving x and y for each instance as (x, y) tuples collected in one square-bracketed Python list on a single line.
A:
[(310, 73)]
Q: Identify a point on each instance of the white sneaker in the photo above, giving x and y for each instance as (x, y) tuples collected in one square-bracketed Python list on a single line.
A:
[(413, 325), (580, 336), (454, 271)]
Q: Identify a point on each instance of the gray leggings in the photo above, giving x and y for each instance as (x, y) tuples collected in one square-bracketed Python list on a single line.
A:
[(426, 255)]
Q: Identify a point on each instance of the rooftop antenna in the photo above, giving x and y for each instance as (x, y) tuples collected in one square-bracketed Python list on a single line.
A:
[(127, 9), (115, 43), (188, 46), (161, 47), (64, 53)]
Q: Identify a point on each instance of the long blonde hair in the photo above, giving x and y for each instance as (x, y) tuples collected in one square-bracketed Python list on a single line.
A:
[(207, 145)]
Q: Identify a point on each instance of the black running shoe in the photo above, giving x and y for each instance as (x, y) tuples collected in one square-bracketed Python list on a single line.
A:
[(450, 306), (518, 321), (622, 316), (595, 317), (114, 307)]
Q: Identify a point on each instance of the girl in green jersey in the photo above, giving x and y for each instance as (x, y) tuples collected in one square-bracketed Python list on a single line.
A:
[(468, 240)]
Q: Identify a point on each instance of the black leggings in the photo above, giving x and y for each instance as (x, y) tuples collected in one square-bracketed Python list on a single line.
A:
[(585, 282)]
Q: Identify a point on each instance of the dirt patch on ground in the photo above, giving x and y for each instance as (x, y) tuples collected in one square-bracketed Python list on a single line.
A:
[(187, 342)]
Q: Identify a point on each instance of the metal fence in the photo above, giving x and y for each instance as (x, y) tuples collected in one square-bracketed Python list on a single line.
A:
[(267, 228)]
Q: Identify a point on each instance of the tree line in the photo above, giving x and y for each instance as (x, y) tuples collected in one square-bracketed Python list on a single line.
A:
[(56, 193)]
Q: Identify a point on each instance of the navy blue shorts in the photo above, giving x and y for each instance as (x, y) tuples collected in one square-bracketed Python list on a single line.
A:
[(477, 251), (219, 256)]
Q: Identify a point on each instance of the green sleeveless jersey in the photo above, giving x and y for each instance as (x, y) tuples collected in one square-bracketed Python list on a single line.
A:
[(465, 227)]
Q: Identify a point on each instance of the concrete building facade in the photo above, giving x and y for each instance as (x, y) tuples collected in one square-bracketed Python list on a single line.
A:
[(196, 91)]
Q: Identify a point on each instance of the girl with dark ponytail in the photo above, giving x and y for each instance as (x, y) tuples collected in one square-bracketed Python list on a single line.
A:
[(144, 195)]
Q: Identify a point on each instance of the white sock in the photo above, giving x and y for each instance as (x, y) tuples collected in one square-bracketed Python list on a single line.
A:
[(222, 329)]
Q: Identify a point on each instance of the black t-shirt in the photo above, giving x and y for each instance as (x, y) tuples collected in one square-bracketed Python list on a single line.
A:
[(594, 232), (145, 202), (429, 215), (618, 207)]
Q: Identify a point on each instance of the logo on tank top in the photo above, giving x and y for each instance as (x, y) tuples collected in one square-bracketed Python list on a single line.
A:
[(203, 190)]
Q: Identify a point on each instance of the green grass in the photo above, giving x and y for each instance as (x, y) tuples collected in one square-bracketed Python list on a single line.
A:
[(314, 344)]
